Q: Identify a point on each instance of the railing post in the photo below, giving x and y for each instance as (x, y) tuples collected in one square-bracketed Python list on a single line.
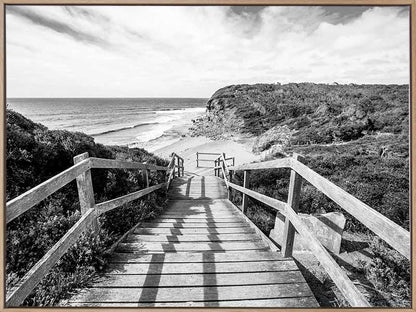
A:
[(85, 189), (215, 169), (173, 166), (179, 166), (183, 167), (229, 188), (245, 197), (197, 159), (293, 198)]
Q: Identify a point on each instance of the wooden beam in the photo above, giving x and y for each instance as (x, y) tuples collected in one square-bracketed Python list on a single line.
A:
[(293, 198), (84, 184), (119, 201), (28, 282), (228, 188), (122, 164), (271, 164), (337, 274), (396, 236), (246, 183), (27, 200), (274, 203)]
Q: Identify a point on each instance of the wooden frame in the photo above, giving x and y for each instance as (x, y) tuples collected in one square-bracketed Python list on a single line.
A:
[(32, 199)]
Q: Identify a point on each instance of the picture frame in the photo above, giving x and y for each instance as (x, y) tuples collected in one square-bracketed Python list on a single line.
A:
[(85, 189)]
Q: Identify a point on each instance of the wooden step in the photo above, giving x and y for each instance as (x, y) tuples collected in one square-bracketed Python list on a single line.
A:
[(201, 220), (297, 302), (187, 231), (194, 225), (191, 294), (199, 280), (206, 257), (199, 268), (190, 247), (134, 238)]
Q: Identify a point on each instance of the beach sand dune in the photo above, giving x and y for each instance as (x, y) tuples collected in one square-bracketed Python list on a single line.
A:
[(188, 147)]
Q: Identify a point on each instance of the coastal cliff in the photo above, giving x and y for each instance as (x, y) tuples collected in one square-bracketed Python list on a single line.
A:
[(304, 113)]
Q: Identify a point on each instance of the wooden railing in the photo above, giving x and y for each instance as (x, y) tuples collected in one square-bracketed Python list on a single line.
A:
[(209, 160), (81, 171), (390, 232)]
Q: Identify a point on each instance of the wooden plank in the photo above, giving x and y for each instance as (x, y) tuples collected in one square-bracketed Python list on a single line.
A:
[(187, 231), (293, 198), (195, 211), (27, 200), (199, 220), (298, 302), (117, 202), (245, 185), (192, 238), (396, 236), (274, 203), (29, 281), (271, 164), (207, 194), (339, 277), (199, 280), (190, 247), (205, 257), (195, 225), (84, 186), (200, 215), (203, 153), (196, 197), (122, 164), (186, 294), (201, 268), (197, 187)]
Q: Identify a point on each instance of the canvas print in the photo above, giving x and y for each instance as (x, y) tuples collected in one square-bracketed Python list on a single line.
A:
[(207, 156)]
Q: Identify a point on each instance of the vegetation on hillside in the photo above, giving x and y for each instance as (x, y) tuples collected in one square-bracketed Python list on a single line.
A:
[(35, 154), (317, 113), (354, 135)]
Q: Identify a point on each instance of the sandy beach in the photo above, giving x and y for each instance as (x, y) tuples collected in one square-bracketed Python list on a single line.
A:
[(187, 148)]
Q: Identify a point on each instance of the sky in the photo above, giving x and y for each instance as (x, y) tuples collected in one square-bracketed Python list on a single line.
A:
[(191, 51)]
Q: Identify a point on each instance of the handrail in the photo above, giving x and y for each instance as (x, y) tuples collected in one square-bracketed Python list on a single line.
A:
[(27, 200), (219, 155), (122, 164), (393, 234)]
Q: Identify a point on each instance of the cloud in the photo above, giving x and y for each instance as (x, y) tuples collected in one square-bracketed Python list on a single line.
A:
[(133, 51), (57, 26)]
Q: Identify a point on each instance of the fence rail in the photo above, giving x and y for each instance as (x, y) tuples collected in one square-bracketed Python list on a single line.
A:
[(81, 171), (390, 232), (218, 155)]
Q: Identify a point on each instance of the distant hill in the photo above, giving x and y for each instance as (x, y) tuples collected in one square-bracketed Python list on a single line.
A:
[(314, 113)]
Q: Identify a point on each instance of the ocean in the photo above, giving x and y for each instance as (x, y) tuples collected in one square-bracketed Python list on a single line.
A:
[(150, 123)]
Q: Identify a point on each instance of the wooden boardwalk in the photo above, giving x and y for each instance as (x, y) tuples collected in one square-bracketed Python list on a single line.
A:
[(202, 252)]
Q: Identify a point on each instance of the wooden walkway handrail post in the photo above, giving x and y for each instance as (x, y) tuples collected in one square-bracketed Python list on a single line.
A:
[(244, 204), (85, 189), (293, 198), (197, 159)]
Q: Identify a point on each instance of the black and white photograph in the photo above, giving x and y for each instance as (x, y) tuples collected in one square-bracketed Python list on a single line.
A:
[(207, 155)]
